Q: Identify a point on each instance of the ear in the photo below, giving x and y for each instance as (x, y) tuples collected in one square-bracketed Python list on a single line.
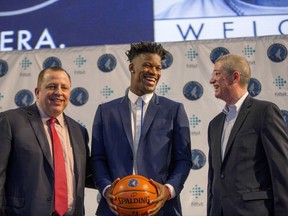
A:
[(236, 76), (36, 91), (131, 68)]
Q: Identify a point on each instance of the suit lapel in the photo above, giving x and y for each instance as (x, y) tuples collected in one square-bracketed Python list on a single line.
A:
[(37, 125), (125, 115), (149, 116), (218, 137), (245, 109), (75, 148)]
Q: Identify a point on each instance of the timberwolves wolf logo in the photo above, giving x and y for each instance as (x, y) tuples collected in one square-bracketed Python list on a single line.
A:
[(254, 87), (79, 96), (107, 63), (277, 52), (52, 62), (198, 159), (167, 62), (218, 52), (24, 98), (133, 183), (3, 68), (193, 90)]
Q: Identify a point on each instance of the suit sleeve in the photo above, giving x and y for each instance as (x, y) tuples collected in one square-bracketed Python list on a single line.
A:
[(89, 182), (210, 174), (99, 164), (275, 141), (5, 149), (181, 151)]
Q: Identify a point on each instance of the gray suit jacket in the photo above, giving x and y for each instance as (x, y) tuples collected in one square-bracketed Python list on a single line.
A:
[(26, 166), (252, 179)]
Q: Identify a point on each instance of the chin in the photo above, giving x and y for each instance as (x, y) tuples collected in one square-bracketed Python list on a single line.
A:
[(150, 88)]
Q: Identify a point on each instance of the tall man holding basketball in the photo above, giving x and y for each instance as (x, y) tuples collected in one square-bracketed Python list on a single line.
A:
[(160, 150)]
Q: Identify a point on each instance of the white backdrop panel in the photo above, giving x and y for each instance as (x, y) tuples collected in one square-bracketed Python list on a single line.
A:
[(191, 62)]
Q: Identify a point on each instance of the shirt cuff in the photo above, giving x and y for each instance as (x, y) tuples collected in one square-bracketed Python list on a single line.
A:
[(172, 191), (104, 190)]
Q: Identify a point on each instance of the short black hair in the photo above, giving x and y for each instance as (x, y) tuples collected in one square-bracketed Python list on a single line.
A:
[(145, 47)]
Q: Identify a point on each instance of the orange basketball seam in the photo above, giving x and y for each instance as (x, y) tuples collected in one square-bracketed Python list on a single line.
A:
[(124, 191)]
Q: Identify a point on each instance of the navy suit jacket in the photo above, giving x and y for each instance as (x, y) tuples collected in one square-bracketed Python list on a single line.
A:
[(164, 152), (26, 166), (252, 179)]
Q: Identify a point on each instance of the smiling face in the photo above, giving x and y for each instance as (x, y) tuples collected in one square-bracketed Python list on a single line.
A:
[(222, 82), (145, 73), (53, 92)]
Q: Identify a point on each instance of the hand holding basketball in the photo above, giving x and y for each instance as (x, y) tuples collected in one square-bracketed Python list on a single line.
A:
[(133, 195)]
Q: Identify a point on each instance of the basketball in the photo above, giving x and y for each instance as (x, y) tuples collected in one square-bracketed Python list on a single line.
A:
[(133, 194)]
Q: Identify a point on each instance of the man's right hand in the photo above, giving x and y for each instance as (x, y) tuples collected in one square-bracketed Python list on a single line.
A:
[(109, 197)]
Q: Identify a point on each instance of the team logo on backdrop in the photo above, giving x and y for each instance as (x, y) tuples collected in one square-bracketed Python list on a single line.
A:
[(280, 82), (1, 96), (248, 51), (3, 68), (194, 121), (24, 98), (25, 63), (107, 63), (218, 52), (163, 89), (254, 87), (197, 191), (25, 7), (191, 54), (107, 91), (79, 96), (52, 62), (167, 62), (79, 61), (198, 159), (277, 52), (193, 90), (133, 183), (285, 116)]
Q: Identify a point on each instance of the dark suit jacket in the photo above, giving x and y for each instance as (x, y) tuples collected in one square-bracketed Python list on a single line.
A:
[(164, 152), (252, 180), (26, 166)]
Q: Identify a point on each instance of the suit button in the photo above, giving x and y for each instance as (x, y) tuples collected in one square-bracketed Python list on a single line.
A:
[(222, 176), (49, 199)]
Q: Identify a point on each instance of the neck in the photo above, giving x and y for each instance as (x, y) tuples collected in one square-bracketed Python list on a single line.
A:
[(234, 98)]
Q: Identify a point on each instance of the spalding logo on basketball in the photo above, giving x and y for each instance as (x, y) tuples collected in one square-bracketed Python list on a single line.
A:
[(133, 194)]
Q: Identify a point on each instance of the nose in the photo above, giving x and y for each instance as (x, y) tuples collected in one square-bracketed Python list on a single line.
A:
[(58, 90), (212, 80), (155, 70)]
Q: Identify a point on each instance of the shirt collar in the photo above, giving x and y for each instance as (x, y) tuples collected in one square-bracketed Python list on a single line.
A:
[(133, 97), (45, 117), (238, 104)]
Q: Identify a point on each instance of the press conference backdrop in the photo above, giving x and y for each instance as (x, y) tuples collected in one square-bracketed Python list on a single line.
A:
[(37, 24), (100, 74)]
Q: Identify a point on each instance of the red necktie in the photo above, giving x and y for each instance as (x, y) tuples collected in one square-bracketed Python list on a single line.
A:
[(60, 183)]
